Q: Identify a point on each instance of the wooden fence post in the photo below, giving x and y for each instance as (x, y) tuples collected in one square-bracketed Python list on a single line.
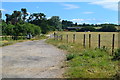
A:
[(98, 40), (67, 37), (54, 36), (57, 37), (89, 40), (73, 38), (84, 41), (113, 43), (61, 37)]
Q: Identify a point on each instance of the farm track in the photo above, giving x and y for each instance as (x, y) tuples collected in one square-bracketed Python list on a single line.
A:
[(32, 59)]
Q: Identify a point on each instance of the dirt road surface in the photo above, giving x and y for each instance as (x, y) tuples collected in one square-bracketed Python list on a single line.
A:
[(32, 59)]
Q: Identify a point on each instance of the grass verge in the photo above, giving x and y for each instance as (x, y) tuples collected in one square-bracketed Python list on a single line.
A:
[(10, 41), (86, 63)]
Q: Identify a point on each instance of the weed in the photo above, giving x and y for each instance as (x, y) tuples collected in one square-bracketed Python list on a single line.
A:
[(117, 55), (64, 47), (70, 56)]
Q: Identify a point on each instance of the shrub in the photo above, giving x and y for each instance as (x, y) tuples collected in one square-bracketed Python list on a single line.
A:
[(70, 56), (108, 28), (117, 55), (88, 28)]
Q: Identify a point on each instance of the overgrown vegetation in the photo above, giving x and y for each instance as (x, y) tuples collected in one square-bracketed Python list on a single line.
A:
[(87, 63), (117, 55)]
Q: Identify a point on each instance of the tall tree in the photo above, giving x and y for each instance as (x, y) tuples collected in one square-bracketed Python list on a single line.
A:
[(55, 21), (0, 14), (24, 13)]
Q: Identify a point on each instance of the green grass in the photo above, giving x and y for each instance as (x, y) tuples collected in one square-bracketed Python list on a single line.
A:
[(86, 63)]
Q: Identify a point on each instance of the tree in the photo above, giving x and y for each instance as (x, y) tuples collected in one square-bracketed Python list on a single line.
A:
[(108, 28), (4, 26), (55, 21), (24, 13), (0, 14), (37, 16), (75, 24), (66, 24), (87, 28), (8, 18)]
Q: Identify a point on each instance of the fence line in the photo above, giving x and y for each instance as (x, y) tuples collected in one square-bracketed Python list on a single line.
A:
[(56, 37)]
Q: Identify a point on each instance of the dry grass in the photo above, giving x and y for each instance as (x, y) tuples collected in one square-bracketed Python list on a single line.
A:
[(106, 38)]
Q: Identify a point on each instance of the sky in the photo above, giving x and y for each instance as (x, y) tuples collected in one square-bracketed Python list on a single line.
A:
[(96, 12)]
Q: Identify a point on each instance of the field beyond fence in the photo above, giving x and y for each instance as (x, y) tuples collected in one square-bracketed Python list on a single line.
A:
[(92, 40)]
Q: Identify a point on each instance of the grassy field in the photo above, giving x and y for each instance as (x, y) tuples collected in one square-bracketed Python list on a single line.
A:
[(106, 38), (86, 63)]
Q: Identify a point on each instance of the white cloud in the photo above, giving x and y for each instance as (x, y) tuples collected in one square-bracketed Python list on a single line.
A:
[(77, 20), (70, 6), (28, 13), (2, 9), (88, 12), (109, 4), (92, 21), (48, 17), (88, 21)]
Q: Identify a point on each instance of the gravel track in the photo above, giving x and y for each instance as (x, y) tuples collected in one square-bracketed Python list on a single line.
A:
[(32, 59)]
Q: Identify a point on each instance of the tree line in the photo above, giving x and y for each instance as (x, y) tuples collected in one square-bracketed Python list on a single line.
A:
[(21, 23)]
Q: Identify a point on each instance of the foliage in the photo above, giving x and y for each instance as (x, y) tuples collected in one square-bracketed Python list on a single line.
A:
[(87, 28), (55, 21), (108, 28), (66, 24), (20, 29), (18, 18), (70, 56), (117, 55)]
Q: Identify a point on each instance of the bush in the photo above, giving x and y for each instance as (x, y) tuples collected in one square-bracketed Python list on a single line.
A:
[(117, 55), (108, 28), (70, 56), (88, 28)]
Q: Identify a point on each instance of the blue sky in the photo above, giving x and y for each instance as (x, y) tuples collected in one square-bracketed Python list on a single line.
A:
[(80, 12)]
